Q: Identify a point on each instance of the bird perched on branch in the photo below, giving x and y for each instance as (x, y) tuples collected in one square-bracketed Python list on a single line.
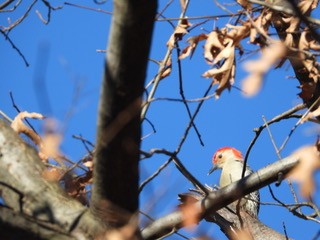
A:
[(230, 161)]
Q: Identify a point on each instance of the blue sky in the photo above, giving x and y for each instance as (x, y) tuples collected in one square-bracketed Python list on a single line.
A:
[(64, 54)]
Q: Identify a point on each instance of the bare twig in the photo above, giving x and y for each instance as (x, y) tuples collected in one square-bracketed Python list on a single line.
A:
[(19, 20), (286, 9), (271, 137), (162, 68), (15, 48), (153, 129), (6, 117), (7, 3), (88, 8), (155, 174), (282, 116), (164, 8), (180, 167), (297, 124), (183, 96)]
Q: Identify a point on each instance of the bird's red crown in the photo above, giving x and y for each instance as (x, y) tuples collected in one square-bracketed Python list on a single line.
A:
[(236, 153)]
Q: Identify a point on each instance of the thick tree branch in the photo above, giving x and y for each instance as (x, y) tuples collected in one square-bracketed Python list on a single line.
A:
[(221, 198), (19, 226), (116, 160), (30, 196)]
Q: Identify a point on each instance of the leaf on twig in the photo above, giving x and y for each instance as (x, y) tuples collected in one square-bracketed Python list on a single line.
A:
[(307, 90), (245, 4), (306, 6), (52, 174), (193, 43), (258, 68), (75, 186), (310, 63), (50, 145), (167, 69), (309, 162), (220, 48), (190, 211), (179, 32), (259, 26), (19, 126), (213, 45)]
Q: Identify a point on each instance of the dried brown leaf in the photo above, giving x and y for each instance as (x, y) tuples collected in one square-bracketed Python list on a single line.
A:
[(258, 68), (179, 32), (309, 162), (75, 186), (307, 5), (167, 70), (226, 53), (193, 43), (213, 46), (51, 140), (244, 3), (238, 33), (19, 126), (307, 90), (89, 164), (223, 76), (293, 25), (306, 42), (190, 212), (260, 25), (51, 144), (252, 84), (52, 174)]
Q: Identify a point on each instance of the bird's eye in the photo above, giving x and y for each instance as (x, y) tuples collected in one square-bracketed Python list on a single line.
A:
[(220, 155)]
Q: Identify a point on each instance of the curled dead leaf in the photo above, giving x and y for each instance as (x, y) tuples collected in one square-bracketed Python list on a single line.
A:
[(178, 33), (191, 212), (245, 4), (167, 68), (307, 90), (193, 43), (51, 140), (309, 162), (19, 126), (52, 174), (213, 46), (307, 5), (258, 68)]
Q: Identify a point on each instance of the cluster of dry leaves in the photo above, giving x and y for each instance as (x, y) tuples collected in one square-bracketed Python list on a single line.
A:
[(221, 44), (49, 149)]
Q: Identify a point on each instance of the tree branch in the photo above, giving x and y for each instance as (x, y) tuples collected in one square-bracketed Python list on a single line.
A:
[(30, 196), (116, 159), (221, 198)]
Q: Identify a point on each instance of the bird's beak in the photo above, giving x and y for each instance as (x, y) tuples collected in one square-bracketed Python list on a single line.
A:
[(214, 167)]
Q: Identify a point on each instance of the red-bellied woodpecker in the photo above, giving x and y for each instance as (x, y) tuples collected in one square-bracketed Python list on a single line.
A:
[(230, 160)]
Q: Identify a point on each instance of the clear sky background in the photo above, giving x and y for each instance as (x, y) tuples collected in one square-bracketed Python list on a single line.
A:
[(63, 82)]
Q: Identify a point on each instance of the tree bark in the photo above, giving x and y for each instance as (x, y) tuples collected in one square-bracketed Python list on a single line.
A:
[(116, 175), (31, 201)]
